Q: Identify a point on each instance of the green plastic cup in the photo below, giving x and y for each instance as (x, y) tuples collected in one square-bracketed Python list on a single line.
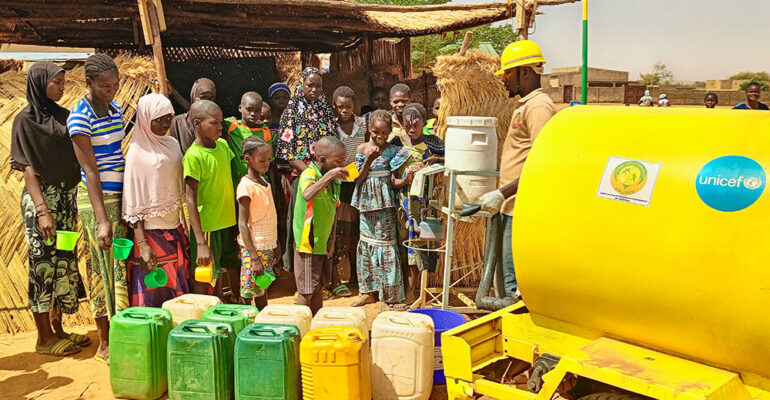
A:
[(265, 280), (66, 240), (121, 248), (156, 278)]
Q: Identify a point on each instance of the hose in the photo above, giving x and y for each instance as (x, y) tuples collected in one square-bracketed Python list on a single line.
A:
[(492, 270)]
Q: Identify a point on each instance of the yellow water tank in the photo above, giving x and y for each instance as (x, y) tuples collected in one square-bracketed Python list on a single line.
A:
[(651, 226)]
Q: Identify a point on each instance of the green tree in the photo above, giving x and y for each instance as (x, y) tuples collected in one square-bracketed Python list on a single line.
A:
[(659, 75), (763, 78), (426, 48)]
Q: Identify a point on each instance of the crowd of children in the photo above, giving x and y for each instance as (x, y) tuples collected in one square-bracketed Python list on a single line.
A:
[(298, 182)]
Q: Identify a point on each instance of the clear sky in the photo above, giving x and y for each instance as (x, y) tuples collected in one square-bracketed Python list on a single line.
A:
[(696, 39)]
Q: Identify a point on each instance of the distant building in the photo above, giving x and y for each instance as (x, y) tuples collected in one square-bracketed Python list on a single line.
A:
[(604, 85), (715, 85)]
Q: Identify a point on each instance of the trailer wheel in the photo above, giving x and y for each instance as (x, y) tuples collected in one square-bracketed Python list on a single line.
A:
[(612, 396)]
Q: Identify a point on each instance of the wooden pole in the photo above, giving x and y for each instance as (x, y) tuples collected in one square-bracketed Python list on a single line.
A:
[(466, 42), (153, 23)]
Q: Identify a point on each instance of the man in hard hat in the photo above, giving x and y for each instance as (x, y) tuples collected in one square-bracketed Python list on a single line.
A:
[(520, 67)]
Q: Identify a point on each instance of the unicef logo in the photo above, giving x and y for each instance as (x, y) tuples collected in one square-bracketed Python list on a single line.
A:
[(730, 183)]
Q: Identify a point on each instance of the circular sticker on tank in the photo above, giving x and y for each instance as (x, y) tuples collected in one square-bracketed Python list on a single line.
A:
[(730, 183)]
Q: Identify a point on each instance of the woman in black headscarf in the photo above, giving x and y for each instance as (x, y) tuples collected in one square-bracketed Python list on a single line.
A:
[(42, 149)]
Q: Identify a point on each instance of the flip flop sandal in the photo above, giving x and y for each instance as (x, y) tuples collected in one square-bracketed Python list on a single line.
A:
[(61, 348), (342, 291), (398, 307), (327, 294), (80, 340)]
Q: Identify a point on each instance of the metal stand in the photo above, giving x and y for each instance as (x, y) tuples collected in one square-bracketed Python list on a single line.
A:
[(452, 214)]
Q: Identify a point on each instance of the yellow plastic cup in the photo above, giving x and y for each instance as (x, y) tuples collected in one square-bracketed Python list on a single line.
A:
[(352, 172), (204, 273), (121, 248), (66, 240)]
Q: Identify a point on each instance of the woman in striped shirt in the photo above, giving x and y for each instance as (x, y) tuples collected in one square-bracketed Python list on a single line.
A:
[(96, 128)]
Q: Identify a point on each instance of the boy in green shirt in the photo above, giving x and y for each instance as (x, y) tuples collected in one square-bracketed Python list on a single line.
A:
[(210, 197), (314, 214), (249, 124)]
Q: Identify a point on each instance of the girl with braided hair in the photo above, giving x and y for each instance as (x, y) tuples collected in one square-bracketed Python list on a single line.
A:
[(96, 128), (377, 261), (425, 150)]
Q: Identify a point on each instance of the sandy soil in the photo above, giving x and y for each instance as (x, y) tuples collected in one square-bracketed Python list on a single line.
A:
[(26, 375)]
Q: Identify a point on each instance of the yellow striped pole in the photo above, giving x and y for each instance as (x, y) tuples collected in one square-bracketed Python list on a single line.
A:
[(584, 91)]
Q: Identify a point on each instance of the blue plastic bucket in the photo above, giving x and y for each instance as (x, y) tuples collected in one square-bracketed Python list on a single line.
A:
[(443, 320)]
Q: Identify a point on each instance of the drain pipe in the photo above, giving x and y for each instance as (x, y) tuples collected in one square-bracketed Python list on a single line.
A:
[(492, 270)]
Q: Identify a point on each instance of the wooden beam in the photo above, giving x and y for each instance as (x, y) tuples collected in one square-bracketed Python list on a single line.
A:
[(466, 43), (351, 6), (157, 47), (144, 16)]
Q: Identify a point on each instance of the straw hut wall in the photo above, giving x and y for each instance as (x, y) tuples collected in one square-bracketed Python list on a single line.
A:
[(137, 79), (468, 87)]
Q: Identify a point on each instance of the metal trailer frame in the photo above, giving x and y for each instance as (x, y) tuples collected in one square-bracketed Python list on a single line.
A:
[(567, 351)]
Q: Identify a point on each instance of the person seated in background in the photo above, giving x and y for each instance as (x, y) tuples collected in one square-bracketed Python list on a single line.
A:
[(711, 100), (400, 96), (430, 124), (646, 100), (753, 93), (663, 102), (181, 126), (378, 100), (210, 199)]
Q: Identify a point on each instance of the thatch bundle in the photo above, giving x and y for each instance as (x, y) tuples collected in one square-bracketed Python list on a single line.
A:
[(468, 87), (137, 79)]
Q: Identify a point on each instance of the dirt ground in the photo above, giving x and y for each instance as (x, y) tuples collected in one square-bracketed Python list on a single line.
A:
[(26, 375)]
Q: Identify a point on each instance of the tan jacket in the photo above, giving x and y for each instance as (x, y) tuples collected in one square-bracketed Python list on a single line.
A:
[(529, 115)]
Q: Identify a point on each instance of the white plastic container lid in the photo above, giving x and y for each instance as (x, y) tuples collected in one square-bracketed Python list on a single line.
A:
[(459, 120)]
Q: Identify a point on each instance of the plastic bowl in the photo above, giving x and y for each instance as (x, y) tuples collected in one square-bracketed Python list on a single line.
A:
[(121, 248), (264, 280), (156, 278), (66, 240)]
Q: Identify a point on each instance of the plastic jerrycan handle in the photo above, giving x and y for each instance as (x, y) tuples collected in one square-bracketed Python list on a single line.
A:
[(229, 313), (263, 332), (136, 315), (335, 315), (197, 329), (185, 301), (399, 320), (278, 313)]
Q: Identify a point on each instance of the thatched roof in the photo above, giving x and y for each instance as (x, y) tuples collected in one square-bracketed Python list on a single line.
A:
[(315, 25)]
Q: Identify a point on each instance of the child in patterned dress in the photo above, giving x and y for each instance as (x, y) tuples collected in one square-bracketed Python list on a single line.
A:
[(257, 221)]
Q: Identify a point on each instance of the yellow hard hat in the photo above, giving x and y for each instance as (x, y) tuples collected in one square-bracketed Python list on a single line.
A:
[(522, 52)]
